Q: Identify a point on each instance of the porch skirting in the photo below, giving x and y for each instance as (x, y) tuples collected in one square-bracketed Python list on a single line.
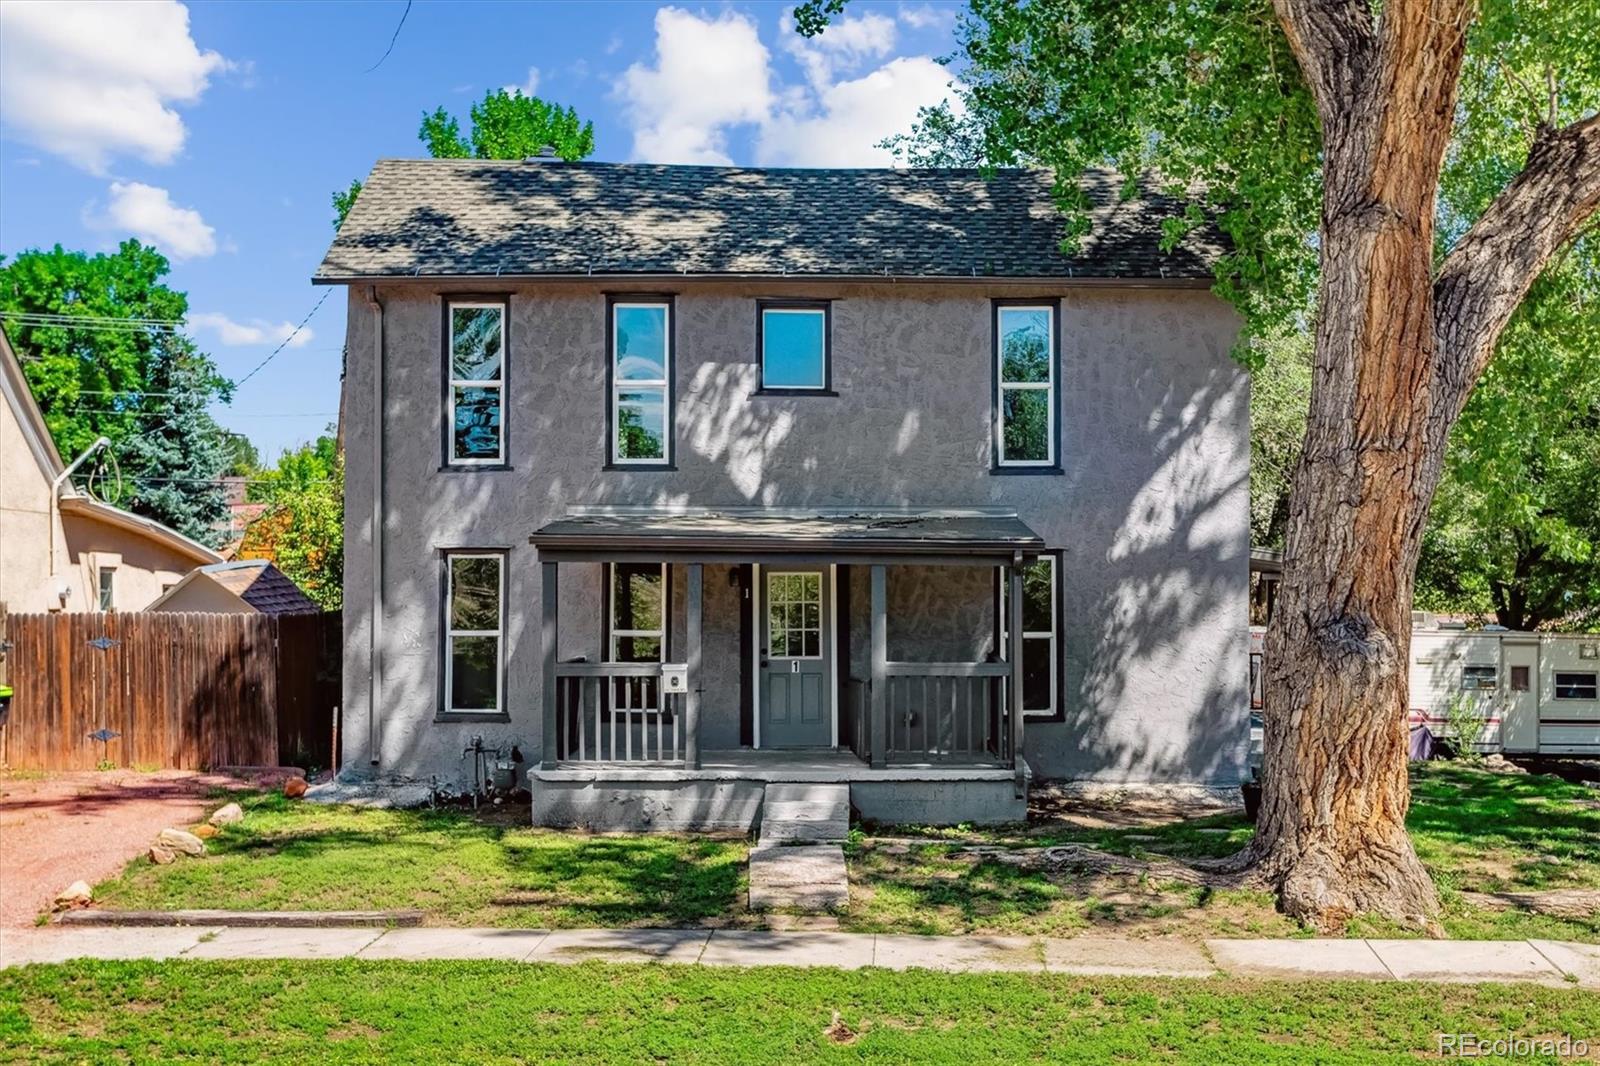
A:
[(726, 793)]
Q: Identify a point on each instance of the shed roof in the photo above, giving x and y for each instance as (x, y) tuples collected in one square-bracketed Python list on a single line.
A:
[(493, 218), (255, 581), (760, 533)]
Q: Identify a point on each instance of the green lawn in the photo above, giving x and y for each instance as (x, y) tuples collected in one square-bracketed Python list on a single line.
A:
[(461, 870), (1474, 829), (487, 1012)]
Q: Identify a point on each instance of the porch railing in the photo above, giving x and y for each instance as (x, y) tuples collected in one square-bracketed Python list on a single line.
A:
[(617, 712), (937, 712)]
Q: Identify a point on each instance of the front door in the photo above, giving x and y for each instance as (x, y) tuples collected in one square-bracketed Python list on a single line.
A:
[(1519, 723), (796, 651)]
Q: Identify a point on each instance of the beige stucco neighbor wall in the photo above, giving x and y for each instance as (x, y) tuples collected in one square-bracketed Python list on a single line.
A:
[(1149, 510), (206, 596), (25, 526)]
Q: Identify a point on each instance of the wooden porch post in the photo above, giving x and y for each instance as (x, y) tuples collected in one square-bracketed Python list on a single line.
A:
[(1014, 656), (549, 598), (880, 673), (691, 699)]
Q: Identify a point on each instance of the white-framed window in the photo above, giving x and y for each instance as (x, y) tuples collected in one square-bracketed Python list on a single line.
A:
[(1025, 385), (477, 345), (474, 645), (1039, 639), (637, 595), (1479, 678), (641, 368), (107, 591), (794, 346), (1577, 685)]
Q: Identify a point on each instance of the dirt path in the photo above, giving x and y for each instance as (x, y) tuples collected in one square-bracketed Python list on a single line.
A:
[(60, 828)]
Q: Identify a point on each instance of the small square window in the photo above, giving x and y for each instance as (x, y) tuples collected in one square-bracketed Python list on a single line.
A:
[(1520, 681), (794, 346)]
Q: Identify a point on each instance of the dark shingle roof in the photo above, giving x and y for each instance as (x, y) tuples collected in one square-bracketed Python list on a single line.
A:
[(475, 218), (261, 585)]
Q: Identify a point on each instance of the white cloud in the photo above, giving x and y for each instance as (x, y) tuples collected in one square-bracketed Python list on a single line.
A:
[(712, 75), (929, 16), (852, 117), (147, 212), (528, 87), (255, 331), (709, 73), (89, 81)]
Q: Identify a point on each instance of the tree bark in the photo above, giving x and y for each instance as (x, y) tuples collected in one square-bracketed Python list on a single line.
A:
[(1396, 356)]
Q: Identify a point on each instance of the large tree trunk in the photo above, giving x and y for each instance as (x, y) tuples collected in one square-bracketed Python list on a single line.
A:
[(1396, 355)]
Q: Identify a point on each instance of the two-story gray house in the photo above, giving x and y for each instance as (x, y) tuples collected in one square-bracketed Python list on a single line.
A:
[(686, 480)]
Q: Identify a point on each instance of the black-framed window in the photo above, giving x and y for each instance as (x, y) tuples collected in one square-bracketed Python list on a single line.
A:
[(1577, 685), (475, 365), (1026, 373), (794, 346), (474, 629), (639, 373), (1041, 634), (638, 602)]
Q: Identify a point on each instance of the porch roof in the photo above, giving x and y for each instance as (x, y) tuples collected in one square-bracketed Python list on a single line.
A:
[(944, 536)]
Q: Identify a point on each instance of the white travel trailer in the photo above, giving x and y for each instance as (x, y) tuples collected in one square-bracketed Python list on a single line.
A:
[(1536, 693)]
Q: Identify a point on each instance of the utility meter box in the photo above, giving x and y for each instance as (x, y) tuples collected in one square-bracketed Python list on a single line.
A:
[(674, 677)]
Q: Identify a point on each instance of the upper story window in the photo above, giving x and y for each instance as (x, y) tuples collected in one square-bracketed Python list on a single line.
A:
[(793, 338), (1025, 385), (477, 346), (641, 381), (474, 651)]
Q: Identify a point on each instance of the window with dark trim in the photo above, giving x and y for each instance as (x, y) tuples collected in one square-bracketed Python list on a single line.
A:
[(638, 603), (639, 380), (474, 633), (1479, 678), (475, 349), (1025, 371), (1575, 685), (1520, 679), (794, 345), (1041, 653)]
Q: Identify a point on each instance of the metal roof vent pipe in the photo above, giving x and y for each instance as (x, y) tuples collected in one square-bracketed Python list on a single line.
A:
[(547, 154)]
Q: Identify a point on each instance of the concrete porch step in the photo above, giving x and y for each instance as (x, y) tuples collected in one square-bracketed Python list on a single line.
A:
[(809, 812)]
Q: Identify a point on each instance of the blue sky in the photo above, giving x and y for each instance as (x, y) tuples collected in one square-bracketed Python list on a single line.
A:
[(218, 131)]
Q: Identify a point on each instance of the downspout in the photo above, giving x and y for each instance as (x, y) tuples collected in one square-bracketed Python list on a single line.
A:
[(375, 630), (55, 489)]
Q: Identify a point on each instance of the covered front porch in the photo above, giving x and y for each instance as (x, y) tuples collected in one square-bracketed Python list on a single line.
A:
[(777, 631)]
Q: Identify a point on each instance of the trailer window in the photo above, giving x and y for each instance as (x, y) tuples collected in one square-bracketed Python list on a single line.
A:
[(1519, 679), (1478, 678), (1574, 686)]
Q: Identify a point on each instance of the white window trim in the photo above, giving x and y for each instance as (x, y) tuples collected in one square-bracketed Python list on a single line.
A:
[(451, 633), (611, 620), (498, 384), (1035, 635), (1002, 387), (105, 581), (1554, 685), (821, 386), (619, 386)]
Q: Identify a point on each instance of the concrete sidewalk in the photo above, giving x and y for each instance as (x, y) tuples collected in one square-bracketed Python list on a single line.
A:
[(1544, 961)]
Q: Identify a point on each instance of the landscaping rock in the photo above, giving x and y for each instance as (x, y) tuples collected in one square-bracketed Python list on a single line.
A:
[(204, 831), (161, 855), (232, 812), (1499, 764), (179, 840), (76, 894), (294, 788)]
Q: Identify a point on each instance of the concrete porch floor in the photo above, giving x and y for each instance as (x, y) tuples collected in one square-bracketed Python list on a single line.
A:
[(816, 765)]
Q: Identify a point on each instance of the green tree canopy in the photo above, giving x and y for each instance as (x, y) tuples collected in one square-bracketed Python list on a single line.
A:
[(302, 530), (506, 124), (103, 350)]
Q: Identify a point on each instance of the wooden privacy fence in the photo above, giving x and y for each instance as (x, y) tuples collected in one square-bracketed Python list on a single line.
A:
[(179, 691)]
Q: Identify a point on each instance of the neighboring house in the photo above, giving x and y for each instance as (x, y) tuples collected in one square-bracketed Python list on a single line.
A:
[(241, 512), (689, 479), (61, 550), (246, 586)]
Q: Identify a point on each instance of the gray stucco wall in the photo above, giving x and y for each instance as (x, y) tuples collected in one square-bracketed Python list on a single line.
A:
[(1150, 509)]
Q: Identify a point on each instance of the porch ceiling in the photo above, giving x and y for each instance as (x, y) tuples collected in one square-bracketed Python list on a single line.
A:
[(712, 536)]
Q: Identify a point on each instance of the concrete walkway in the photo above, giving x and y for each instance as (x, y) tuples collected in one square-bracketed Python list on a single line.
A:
[(1544, 961)]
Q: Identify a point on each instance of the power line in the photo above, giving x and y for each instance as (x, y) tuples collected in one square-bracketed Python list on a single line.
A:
[(295, 332), (393, 39)]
